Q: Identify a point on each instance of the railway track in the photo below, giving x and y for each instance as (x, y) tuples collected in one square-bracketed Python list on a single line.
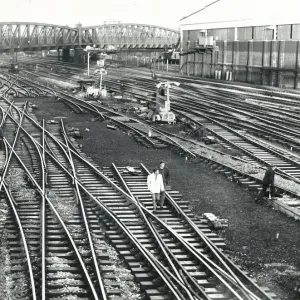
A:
[(287, 164), (126, 215)]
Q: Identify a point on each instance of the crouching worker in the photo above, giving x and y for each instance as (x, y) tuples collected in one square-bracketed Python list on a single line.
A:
[(268, 182), (155, 186)]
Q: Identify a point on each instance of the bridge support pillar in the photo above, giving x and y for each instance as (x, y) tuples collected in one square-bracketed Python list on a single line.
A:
[(66, 55), (79, 56)]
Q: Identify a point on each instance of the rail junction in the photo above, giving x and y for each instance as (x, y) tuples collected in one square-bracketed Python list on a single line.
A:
[(59, 231)]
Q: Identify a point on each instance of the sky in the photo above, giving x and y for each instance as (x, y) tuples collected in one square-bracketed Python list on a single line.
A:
[(166, 13)]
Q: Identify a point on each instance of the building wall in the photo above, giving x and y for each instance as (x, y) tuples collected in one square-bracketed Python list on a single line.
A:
[(274, 63), (284, 32)]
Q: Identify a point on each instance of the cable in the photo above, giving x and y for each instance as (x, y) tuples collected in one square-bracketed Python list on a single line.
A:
[(200, 9)]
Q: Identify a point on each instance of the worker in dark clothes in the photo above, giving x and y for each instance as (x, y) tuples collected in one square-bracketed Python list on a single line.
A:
[(165, 173), (1, 139), (268, 182)]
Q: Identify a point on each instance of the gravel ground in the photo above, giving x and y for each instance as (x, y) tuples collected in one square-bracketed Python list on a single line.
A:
[(251, 235)]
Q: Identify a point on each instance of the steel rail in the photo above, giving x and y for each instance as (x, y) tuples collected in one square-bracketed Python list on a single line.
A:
[(219, 103), (9, 87), (43, 216), (156, 264), (212, 247), (7, 79), (202, 259), (35, 87), (95, 110), (284, 131), (72, 177), (285, 190), (13, 204), (32, 89), (159, 240), (161, 244), (91, 244), (26, 250), (40, 191), (227, 85), (243, 149), (176, 235)]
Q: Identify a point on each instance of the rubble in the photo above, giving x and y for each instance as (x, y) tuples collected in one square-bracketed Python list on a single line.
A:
[(215, 222), (75, 132)]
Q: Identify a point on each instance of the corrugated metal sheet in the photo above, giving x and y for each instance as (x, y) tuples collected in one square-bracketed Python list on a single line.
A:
[(257, 53), (244, 33), (263, 33), (223, 34), (296, 32), (290, 54), (284, 32), (185, 38), (220, 44), (229, 52), (267, 45), (193, 35), (243, 53)]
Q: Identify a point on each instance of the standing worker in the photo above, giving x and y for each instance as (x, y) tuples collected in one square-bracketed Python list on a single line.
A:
[(165, 173), (268, 182), (1, 139), (155, 186)]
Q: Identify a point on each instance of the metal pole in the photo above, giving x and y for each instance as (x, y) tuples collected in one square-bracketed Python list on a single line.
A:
[(168, 95), (100, 81), (88, 74), (167, 65)]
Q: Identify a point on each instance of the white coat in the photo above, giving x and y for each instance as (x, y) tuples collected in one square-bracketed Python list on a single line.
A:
[(155, 183)]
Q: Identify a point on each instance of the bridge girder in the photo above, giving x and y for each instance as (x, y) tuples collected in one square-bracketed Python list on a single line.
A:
[(129, 35), (29, 36)]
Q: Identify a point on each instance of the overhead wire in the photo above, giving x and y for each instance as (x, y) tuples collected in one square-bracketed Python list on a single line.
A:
[(200, 10)]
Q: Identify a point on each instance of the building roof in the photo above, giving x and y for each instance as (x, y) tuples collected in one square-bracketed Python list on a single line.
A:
[(243, 13)]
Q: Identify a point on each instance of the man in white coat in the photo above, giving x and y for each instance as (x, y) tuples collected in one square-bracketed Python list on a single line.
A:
[(155, 186)]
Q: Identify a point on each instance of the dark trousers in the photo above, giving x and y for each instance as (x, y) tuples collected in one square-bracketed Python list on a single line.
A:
[(162, 198), (263, 191)]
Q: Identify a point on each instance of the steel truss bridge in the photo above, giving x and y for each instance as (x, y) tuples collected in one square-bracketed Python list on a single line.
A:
[(36, 36)]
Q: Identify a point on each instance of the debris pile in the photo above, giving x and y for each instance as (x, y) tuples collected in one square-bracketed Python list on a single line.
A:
[(215, 222), (52, 122), (131, 170), (75, 133)]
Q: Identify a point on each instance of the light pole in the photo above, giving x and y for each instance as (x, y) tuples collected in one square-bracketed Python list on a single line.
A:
[(88, 73), (88, 58)]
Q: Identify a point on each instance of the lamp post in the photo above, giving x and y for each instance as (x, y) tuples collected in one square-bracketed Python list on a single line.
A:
[(88, 59)]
